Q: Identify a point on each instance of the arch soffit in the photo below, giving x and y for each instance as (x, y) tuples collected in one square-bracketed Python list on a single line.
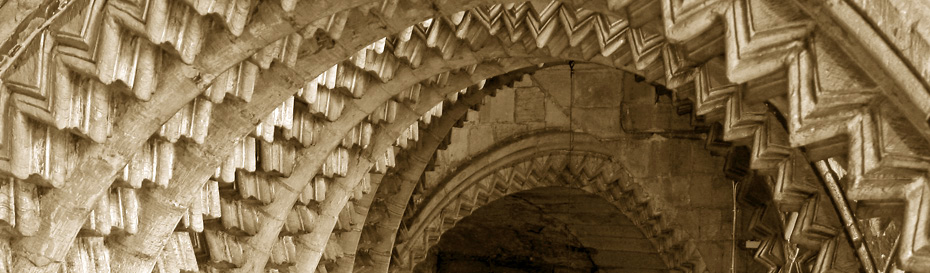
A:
[(511, 52), (638, 204), (383, 139), (799, 140)]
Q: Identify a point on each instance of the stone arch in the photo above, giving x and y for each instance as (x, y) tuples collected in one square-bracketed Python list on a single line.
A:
[(186, 77), (374, 251), (308, 159), (411, 164), (866, 122), (382, 141), (334, 139), (547, 152)]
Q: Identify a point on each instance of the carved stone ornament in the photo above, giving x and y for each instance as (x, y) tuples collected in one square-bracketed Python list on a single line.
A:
[(321, 135)]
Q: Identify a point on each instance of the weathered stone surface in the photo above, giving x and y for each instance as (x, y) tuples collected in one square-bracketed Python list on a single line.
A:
[(530, 105), (142, 136)]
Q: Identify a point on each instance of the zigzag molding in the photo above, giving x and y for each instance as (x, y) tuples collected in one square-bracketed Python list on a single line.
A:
[(773, 55), (440, 79), (385, 136), (542, 167), (433, 137)]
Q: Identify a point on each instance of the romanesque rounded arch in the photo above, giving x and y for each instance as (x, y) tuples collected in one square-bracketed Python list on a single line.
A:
[(784, 74), (381, 142), (333, 140), (550, 153), (192, 80)]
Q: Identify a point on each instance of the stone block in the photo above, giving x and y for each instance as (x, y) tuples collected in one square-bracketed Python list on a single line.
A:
[(555, 83), (660, 154), (637, 92), (704, 163), (458, 149), (638, 117), (663, 114), (598, 88), (480, 137), (601, 122), (484, 112), (555, 116), (687, 220), (679, 193), (530, 105), (680, 161), (634, 155), (651, 117), (711, 224), (594, 86), (710, 192), (499, 108)]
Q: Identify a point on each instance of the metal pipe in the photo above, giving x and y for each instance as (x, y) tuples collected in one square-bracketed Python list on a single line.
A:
[(894, 254), (733, 238), (829, 177)]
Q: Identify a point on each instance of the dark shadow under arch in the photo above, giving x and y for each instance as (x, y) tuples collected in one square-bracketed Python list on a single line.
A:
[(548, 229)]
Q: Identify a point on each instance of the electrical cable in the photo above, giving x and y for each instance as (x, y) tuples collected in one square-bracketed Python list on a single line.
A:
[(571, 106)]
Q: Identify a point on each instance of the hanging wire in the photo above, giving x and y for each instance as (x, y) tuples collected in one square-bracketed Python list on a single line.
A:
[(733, 238), (571, 106)]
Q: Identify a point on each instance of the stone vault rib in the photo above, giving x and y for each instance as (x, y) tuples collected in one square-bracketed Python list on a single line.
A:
[(433, 135), (182, 191), (522, 149), (761, 41)]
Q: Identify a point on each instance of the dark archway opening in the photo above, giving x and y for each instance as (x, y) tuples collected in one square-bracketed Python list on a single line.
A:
[(551, 229)]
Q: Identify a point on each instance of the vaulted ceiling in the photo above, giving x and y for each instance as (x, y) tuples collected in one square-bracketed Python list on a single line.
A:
[(254, 136)]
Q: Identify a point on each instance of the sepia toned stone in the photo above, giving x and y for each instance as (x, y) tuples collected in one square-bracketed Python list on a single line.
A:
[(646, 136)]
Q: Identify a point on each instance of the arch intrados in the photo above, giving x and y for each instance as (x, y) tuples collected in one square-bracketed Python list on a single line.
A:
[(385, 137), (415, 163), (642, 206), (445, 195), (139, 140), (510, 52), (538, 199), (383, 92), (444, 8), (363, 161), (516, 149)]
